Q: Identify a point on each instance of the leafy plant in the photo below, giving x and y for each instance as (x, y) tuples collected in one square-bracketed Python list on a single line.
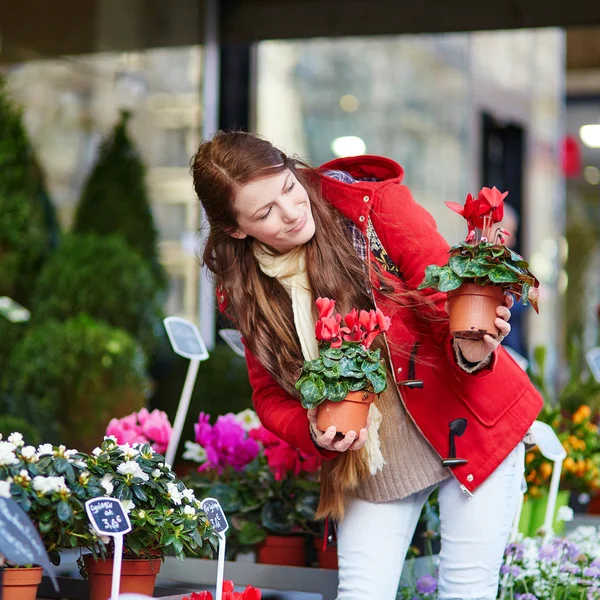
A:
[(25, 236), (263, 484), (68, 379), (345, 363), (116, 186), (481, 261), (165, 515), (104, 278)]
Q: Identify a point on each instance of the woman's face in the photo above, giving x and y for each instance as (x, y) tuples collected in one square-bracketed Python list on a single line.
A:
[(276, 211)]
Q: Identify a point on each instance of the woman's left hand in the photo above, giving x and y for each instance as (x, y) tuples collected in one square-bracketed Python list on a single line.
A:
[(477, 350)]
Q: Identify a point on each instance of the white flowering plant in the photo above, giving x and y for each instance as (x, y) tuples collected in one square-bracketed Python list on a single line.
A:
[(51, 484), (165, 516)]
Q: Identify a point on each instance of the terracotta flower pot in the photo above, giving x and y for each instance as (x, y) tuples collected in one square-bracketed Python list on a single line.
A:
[(21, 583), (472, 310), (289, 550), (348, 415), (138, 576), (327, 558)]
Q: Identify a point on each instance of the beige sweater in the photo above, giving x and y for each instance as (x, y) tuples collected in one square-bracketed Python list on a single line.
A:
[(412, 465)]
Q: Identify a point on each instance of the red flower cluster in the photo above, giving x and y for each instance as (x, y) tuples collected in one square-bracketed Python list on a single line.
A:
[(361, 327), (489, 204), (282, 458), (250, 593)]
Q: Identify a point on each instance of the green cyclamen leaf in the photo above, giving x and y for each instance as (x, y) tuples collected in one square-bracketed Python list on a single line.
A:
[(333, 373), (460, 265), (314, 365), (357, 385), (432, 275), (378, 382), (449, 280), (333, 353), (370, 367), (336, 391), (313, 392), (501, 274)]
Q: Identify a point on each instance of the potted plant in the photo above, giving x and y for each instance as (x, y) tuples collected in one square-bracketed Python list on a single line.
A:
[(347, 376), (481, 269), (578, 433), (267, 489), (165, 517), (51, 485), (142, 427)]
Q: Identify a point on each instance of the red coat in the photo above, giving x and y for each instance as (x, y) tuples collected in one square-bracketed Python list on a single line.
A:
[(499, 402)]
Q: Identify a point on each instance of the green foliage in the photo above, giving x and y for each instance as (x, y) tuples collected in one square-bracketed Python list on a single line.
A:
[(10, 424), (104, 278), (115, 199), (257, 504), (69, 379), (338, 371), (25, 237), (221, 387), (10, 334), (164, 513), (484, 264)]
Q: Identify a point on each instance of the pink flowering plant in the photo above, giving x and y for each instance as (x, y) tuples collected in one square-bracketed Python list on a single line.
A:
[(142, 427), (345, 363), (483, 258), (264, 485)]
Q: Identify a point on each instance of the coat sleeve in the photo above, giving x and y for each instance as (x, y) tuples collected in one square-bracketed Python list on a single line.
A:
[(410, 237), (279, 412)]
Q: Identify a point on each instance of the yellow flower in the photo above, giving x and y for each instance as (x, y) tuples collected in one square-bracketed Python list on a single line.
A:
[(529, 458), (531, 476), (592, 427), (569, 464), (545, 470), (581, 414), (534, 492)]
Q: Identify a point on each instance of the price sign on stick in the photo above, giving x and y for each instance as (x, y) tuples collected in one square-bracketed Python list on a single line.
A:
[(593, 361), (187, 342), (108, 517), (20, 541), (233, 337), (216, 517)]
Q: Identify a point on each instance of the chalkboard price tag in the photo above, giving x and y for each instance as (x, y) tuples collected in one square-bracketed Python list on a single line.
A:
[(20, 541), (215, 514), (108, 516), (233, 337), (185, 338)]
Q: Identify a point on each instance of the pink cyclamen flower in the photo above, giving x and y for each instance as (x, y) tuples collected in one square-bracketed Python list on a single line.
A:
[(157, 429), (124, 432)]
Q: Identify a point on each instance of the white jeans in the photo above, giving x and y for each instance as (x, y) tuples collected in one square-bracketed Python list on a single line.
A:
[(373, 538)]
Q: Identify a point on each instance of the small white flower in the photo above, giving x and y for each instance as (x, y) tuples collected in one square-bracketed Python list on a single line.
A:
[(7, 454), (112, 441), (24, 475), (5, 488), (161, 465), (69, 454), (79, 463), (565, 513), (133, 469), (141, 514), (156, 473), (189, 495), (45, 450), (168, 466), (189, 510), (16, 438), (105, 482), (248, 419), (194, 452), (96, 451), (173, 493), (128, 451), (28, 453), (128, 505), (49, 485)]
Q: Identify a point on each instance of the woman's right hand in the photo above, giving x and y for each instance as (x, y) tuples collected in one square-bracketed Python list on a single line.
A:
[(327, 439)]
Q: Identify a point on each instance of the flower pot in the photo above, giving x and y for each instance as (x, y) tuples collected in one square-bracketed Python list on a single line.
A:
[(348, 415), (138, 576), (538, 512), (289, 550), (472, 310), (328, 558), (21, 583)]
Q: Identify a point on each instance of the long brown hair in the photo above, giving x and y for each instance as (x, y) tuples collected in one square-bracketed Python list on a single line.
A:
[(258, 304)]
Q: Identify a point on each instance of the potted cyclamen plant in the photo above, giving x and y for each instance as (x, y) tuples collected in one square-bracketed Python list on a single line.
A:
[(481, 269), (347, 376), (166, 517)]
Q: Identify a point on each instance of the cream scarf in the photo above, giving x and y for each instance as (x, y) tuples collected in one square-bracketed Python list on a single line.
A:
[(290, 270)]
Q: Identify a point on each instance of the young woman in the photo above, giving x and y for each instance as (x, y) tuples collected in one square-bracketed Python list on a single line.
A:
[(283, 234)]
